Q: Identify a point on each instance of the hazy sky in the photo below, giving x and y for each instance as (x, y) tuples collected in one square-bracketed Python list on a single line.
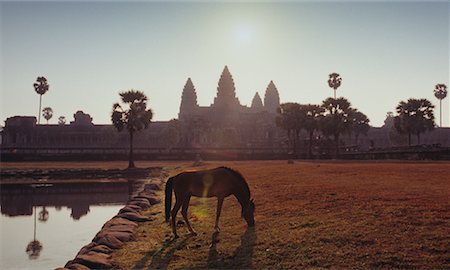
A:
[(89, 51)]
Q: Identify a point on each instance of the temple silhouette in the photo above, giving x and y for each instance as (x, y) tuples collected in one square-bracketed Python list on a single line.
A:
[(226, 107), (225, 129), (226, 122)]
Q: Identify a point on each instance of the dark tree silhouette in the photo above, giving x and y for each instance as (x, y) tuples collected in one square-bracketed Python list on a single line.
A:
[(359, 123), (47, 112), (61, 120), (134, 118), (334, 82), (414, 117), (440, 92), (43, 215), (336, 119), (310, 121), (41, 87), (289, 119)]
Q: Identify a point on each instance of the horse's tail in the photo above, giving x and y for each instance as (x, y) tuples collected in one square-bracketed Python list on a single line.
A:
[(169, 188)]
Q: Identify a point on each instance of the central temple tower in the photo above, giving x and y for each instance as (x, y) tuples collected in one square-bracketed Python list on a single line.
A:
[(226, 99)]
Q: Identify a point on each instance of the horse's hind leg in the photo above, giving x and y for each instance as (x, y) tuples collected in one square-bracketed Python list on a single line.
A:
[(184, 213), (219, 209), (174, 216)]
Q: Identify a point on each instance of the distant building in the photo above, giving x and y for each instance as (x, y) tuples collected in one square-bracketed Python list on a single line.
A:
[(23, 132), (225, 124)]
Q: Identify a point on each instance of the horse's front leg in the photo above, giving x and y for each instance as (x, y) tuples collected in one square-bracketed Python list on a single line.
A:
[(219, 209)]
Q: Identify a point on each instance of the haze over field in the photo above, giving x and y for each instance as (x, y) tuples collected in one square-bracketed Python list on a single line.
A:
[(385, 52)]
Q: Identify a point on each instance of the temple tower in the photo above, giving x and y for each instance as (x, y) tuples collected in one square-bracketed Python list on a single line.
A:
[(188, 106), (226, 96), (271, 98), (257, 105)]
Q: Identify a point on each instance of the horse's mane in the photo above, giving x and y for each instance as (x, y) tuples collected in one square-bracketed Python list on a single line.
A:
[(239, 176)]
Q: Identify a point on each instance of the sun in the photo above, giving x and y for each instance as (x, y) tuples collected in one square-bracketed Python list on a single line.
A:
[(244, 33)]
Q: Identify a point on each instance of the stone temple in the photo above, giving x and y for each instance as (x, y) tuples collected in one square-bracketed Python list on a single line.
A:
[(224, 130), (227, 122), (226, 106)]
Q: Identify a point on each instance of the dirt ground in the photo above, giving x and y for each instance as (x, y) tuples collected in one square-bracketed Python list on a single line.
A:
[(311, 215)]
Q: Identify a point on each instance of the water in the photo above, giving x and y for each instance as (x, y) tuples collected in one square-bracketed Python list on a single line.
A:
[(63, 218)]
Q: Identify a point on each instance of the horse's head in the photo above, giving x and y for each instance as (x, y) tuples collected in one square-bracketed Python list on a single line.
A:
[(247, 213)]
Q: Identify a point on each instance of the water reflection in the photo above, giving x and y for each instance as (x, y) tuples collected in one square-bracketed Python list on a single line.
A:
[(19, 200), (58, 215), (34, 247), (43, 214)]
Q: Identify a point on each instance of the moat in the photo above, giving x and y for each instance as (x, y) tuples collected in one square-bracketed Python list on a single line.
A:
[(43, 226)]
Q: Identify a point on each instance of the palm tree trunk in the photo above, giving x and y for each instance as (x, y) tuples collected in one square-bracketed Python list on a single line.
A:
[(409, 138), (130, 157), (295, 144), (39, 113), (34, 233), (310, 143), (418, 138), (336, 141), (440, 112)]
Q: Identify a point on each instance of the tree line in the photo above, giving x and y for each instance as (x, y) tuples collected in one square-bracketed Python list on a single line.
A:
[(333, 118), (336, 117)]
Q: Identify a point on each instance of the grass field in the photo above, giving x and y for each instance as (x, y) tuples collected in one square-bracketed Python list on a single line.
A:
[(311, 215)]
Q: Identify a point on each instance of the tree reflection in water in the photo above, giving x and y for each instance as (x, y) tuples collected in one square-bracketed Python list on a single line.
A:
[(34, 247), (24, 200), (43, 215)]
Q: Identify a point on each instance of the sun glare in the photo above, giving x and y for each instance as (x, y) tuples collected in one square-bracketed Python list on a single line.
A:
[(244, 33)]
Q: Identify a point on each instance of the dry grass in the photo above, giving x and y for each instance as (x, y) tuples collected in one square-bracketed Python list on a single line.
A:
[(312, 215)]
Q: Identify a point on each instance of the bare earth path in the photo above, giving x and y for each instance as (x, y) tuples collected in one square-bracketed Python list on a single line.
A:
[(309, 215)]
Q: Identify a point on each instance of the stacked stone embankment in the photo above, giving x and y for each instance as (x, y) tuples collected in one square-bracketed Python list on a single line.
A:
[(116, 232)]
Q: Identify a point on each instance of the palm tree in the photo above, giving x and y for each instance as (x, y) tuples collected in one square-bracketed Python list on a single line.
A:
[(311, 116), (41, 87), (334, 82), (288, 118), (47, 112), (34, 248), (61, 120), (359, 123), (414, 117), (135, 118), (440, 92), (336, 119), (43, 215)]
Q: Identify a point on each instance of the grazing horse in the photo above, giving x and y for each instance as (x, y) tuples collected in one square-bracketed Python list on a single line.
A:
[(219, 182)]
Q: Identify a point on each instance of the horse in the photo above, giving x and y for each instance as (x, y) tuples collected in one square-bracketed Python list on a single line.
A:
[(220, 182)]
